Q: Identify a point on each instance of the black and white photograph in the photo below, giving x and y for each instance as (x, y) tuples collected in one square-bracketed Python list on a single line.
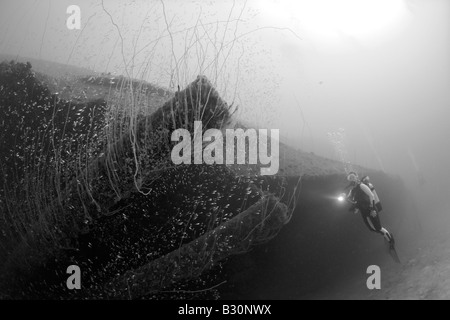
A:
[(224, 155)]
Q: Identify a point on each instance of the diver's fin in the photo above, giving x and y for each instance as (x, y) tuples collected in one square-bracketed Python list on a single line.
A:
[(394, 254), (392, 251), (391, 241)]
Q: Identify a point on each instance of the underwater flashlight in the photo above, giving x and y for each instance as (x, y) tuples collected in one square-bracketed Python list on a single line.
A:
[(341, 197)]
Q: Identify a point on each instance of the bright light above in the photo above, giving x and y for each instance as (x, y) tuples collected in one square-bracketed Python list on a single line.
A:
[(341, 198), (331, 17), (354, 17)]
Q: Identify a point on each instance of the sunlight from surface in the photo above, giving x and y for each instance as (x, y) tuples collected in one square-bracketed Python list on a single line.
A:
[(330, 17), (354, 17)]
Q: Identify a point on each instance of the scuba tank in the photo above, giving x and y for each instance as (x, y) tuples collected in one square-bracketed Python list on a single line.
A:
[(367, 182)]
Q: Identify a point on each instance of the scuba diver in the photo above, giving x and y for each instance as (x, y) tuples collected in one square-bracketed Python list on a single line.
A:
[(364, 199)]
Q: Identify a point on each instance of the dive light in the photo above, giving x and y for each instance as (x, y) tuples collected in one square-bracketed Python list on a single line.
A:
[(341, 197)]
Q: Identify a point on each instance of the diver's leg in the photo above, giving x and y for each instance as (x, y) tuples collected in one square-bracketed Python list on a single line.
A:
[(377, 224), (366, 218), (387, 235)]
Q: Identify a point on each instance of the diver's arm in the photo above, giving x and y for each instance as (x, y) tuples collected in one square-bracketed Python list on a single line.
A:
[(349, 197), (349, 194), (367, 191)]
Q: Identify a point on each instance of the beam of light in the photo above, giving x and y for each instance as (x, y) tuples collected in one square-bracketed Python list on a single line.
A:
[(341, 197)]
